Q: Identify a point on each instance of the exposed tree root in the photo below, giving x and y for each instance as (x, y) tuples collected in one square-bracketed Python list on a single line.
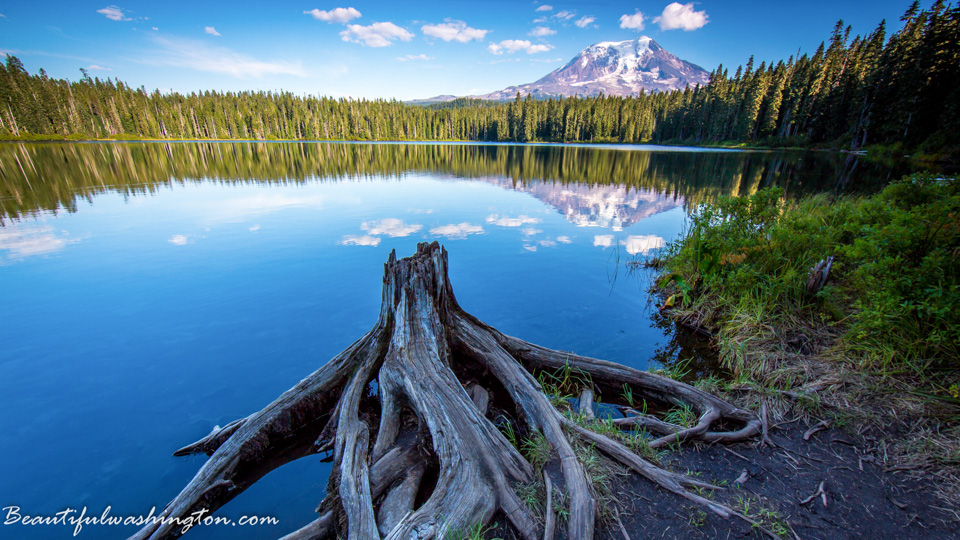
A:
[(424, 416)]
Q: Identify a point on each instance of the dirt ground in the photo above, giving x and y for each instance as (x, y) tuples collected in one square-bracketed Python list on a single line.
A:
[(860, 499), (779, 489)]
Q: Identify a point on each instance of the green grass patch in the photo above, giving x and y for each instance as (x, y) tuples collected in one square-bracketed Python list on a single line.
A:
[(475, 532)]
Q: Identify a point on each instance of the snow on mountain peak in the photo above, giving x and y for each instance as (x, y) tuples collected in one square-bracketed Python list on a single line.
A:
[(630, 47), (614, 68)]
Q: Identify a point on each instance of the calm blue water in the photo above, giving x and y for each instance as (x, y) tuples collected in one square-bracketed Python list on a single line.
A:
[(149, 314)]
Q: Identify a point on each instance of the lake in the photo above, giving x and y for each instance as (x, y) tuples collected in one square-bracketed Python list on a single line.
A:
[(151, 291)]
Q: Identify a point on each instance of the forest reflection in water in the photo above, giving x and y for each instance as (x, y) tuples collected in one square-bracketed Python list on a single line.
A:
[(37, 178)]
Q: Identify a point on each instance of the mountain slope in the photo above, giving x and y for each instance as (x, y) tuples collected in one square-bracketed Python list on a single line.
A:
[(615, 69)]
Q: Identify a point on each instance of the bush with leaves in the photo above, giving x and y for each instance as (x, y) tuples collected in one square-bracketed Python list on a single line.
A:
[(894, 288)]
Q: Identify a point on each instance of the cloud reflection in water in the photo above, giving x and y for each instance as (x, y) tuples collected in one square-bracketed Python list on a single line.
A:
[(457, 231), (20, 243), (365, 240), (392, 227)]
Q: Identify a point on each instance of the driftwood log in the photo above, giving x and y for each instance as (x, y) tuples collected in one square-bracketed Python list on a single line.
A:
[(414, 415)]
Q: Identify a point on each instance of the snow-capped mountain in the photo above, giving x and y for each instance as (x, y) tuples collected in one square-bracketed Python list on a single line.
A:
[(614, 68)]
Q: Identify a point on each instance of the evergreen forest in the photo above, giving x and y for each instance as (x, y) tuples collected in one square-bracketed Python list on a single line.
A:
[(900, 91)]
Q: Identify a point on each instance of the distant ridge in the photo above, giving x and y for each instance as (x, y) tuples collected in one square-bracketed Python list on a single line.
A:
[(434, 99)]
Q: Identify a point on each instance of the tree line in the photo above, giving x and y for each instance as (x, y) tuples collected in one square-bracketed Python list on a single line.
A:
[(850, 93)]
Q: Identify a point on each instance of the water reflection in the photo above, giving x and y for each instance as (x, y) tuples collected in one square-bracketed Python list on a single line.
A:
[(586, 184), (239, 209), (18, 242), (603, 240), (505, 221), (690, 356), (457, 231), (613, 207), (643, 244), (364, 240), (393, 227)]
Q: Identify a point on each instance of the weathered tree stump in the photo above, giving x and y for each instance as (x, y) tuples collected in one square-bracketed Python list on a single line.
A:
[(409, 410)]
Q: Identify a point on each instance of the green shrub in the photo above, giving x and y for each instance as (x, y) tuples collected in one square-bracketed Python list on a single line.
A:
[(905, 285), (894, 288)]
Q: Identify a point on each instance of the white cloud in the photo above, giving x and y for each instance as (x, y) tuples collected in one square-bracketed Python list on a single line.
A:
[(548, 243), (211, 30), (200, 56), (544, 7), (456, 232), (154, 28), (30, 241), (643, 244), (542, 31), (414, 57), (584, 21), (255, 228), (565, 15), (114, 13), (530, 231), (378, 34), (530, 248), (98, 68), (365, 240), (539, 20), (336, 15), (178, 240), (392, 227), (681, 16), (564, 240), (603, 240), (632, 22), (515, 45), (518, 221), (453, 31)]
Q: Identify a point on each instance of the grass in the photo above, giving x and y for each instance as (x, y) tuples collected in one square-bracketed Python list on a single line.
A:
[(678, 372), (600, 473), (534, 497), (474, 532), (536, 449), (564, 383), (506, 427), (681, 415), (639, 442), (763, 517), (697, 518), (882, 335), (627, 394), (561, 505)]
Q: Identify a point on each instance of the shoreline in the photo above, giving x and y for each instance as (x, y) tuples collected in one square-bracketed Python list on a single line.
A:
[(818, 357), (869, 153)]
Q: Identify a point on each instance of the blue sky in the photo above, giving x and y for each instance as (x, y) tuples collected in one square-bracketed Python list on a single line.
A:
[(402, 50)]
